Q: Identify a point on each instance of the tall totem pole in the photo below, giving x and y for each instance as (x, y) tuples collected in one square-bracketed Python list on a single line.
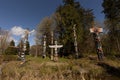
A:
[(75, 41), (52, 34), (44, 46), (23, 49), (96, 31)]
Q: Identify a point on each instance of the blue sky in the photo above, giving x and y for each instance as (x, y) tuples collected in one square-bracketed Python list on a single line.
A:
[(29, 13)]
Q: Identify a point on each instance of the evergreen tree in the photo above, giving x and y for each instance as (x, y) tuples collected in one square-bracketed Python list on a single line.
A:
[(70, 14), (44, 29), (12, 43), (20, 45), (11, 50), (112, 15)]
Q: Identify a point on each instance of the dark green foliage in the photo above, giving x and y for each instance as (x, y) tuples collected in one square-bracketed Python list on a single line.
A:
[(87, 20), (11, 50), (111, 9), (68, 2), (61, 23), (12, 43), (71, 13), (20, 45), (44, 29), (112, 15)]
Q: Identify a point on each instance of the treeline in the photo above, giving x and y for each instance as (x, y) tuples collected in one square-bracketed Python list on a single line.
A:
[(71, 13), (61, 23), (111, 40), (8, 47), (14, 50)]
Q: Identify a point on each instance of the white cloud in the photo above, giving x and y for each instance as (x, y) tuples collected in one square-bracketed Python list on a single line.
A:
[(17, 30), (32, 32), (12, 38)]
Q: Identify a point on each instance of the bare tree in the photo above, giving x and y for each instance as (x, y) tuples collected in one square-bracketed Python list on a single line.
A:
[(33, 51), (44, 28), (4, 40)]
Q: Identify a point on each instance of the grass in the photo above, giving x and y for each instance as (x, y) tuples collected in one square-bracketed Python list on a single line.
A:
[(37, 59), (37, 68)]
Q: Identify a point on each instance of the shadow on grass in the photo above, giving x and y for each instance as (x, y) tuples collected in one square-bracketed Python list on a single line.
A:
[(110, 69)]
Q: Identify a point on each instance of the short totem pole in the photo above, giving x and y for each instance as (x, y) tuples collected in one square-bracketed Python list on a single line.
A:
[(56, 46), (96, 31)]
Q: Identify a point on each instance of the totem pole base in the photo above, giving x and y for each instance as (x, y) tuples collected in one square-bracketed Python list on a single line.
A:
[(51, 57), (44, 56), (56, 58)]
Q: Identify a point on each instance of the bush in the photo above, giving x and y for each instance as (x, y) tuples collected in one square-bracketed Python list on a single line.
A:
[(11, 51)]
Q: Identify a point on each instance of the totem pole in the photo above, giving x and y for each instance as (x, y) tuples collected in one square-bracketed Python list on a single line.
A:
[(44, 46), (96, 31), (23, 49), (75, 41), (56, 46), (52, 34)]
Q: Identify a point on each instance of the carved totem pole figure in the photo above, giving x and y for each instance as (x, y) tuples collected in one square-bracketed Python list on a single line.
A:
[(96, 31)]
